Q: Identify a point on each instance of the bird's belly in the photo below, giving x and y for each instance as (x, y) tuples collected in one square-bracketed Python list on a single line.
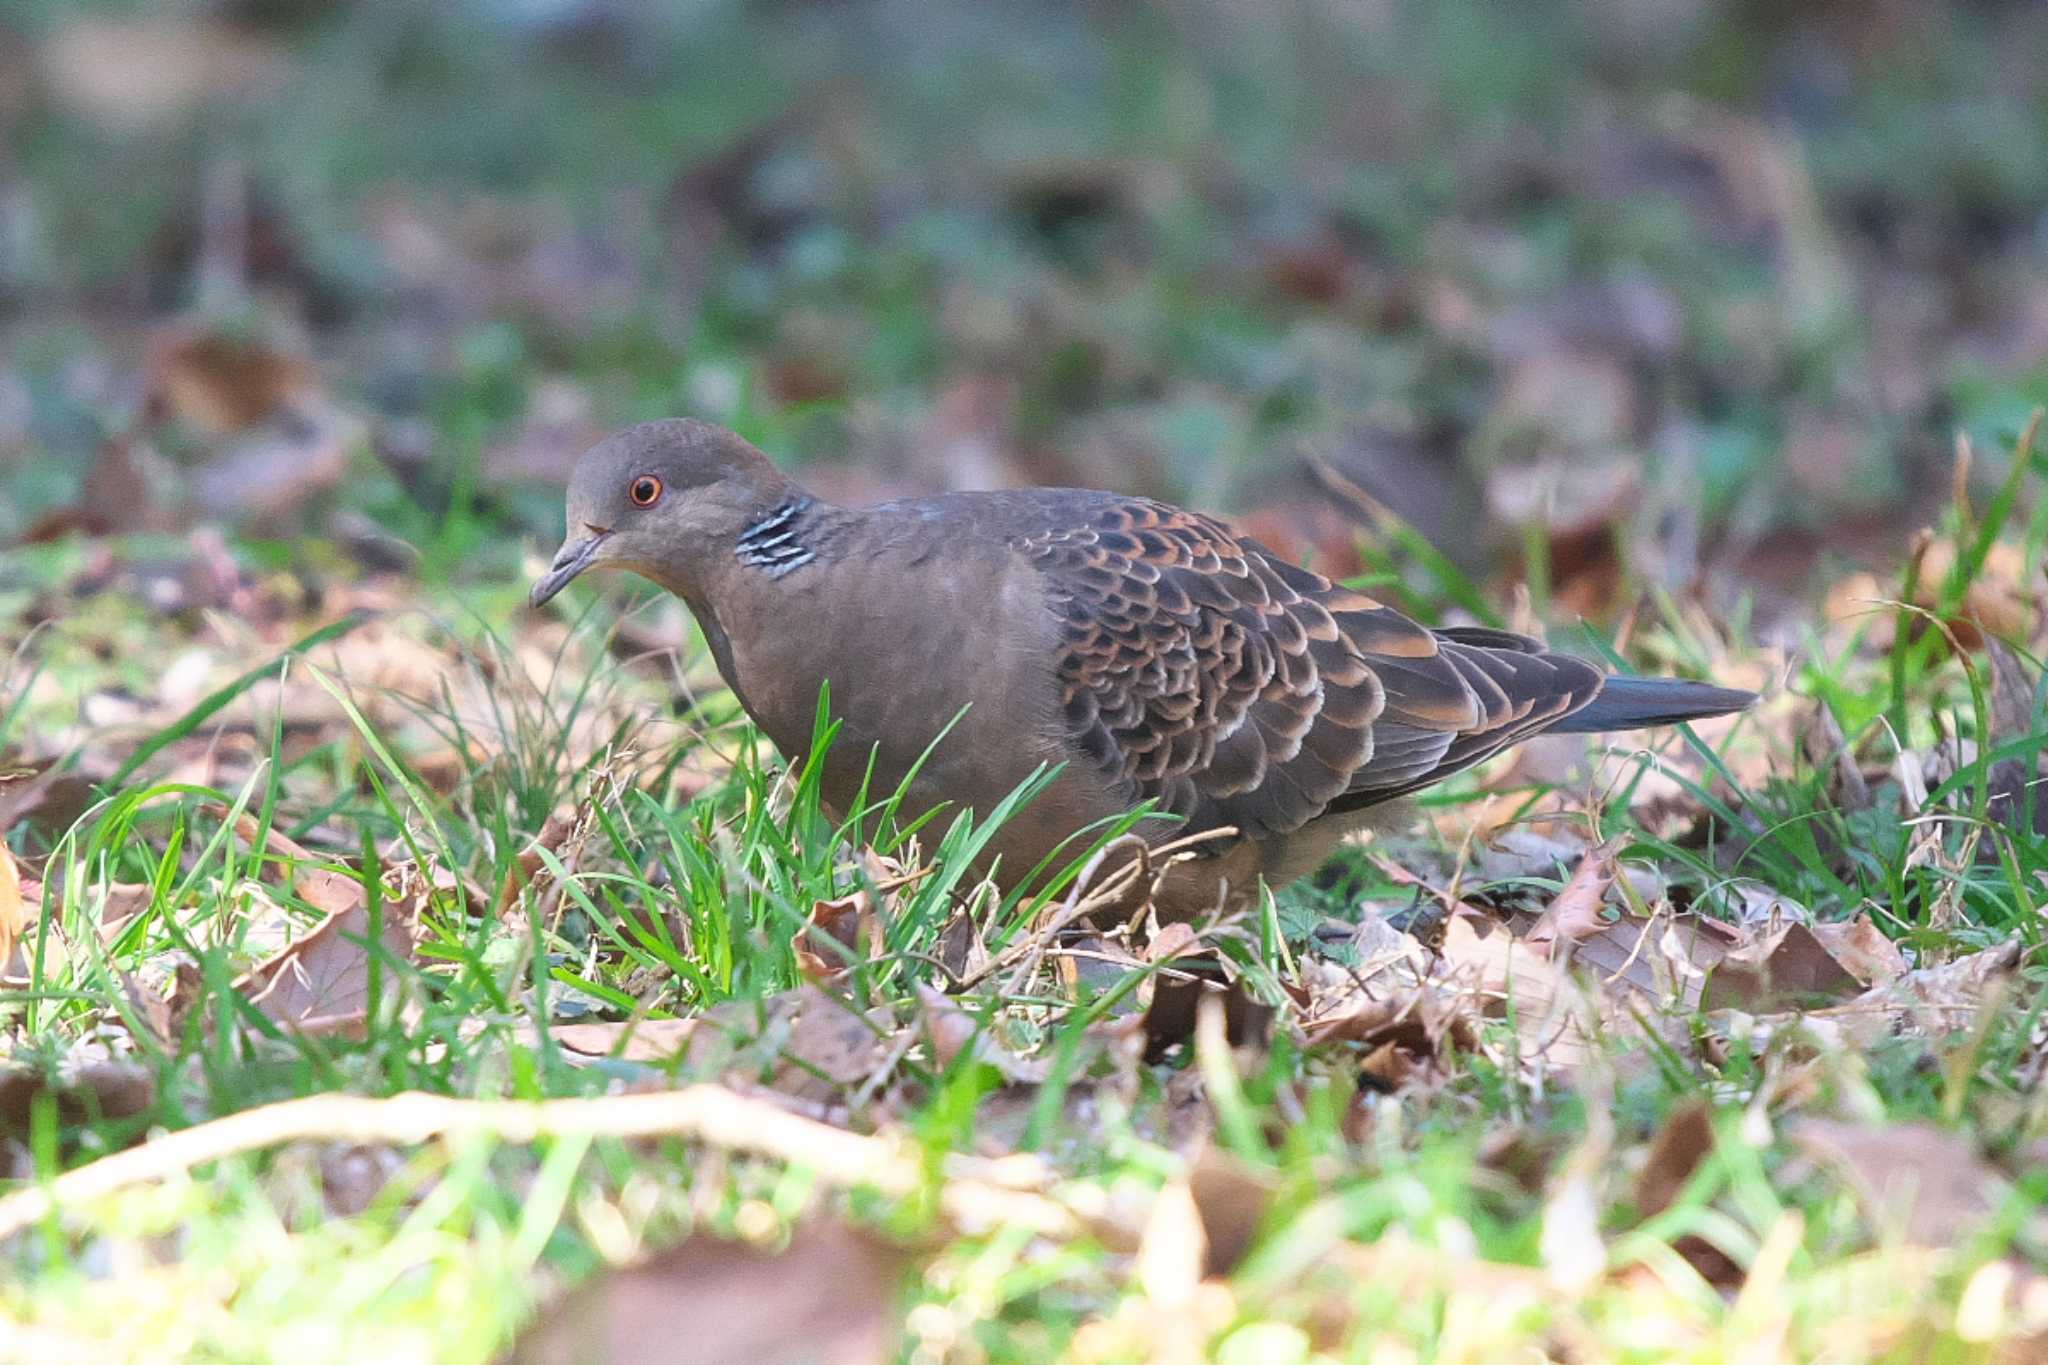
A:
[(975, 765)]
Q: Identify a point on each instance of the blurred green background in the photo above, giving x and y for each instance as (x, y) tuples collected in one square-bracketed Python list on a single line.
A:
[(1715, 283)]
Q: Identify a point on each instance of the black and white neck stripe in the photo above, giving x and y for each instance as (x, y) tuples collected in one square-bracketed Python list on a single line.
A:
[(775, 543)]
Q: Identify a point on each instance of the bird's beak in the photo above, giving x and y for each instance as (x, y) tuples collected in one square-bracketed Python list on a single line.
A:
[(573, 558)]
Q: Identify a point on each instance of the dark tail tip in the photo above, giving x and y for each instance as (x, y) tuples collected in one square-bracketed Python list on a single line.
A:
[(1637, 703)]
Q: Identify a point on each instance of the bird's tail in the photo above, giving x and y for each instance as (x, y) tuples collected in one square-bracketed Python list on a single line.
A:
[(1637, 703)]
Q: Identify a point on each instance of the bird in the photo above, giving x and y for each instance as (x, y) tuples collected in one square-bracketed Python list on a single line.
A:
[(1144, 655)]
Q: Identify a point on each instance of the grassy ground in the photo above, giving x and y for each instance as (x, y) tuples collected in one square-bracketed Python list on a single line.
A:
[(1417, 1159), (1659, 322)]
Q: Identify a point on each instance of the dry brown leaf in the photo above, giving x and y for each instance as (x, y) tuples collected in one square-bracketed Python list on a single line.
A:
[(83, 1091), (1823, 745), (13, 908), (1863, 949), (1575, 913), (960, 947), (1924, 1184), (1168, 1272), (834, 1043), (827, 1298), (1675, 1153), (220, 383), (1171, 941), (951, 1030), (1927, 1001), (835, 935), (1581, 507), (1522, 850), (1501, 971), (560, 424), (1402, 1035), (1683, 1142), (132, 74), (1177, 994), (46, 795), (278, 466), (1663, 959), (353, 1174), (153, 1009), (320, 981), (1232, 1199), (2014, 716), (1998, 600), (123, 901), (1790, 967), (948, 1029), (632, 1040), (1940, 999), (554, 833)]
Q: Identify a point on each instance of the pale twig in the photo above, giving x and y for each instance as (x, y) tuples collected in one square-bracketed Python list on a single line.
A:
[(1079, 906), (709, 1114)]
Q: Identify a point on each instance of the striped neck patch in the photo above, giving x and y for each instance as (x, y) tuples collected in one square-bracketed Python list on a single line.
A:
[(774, 544)]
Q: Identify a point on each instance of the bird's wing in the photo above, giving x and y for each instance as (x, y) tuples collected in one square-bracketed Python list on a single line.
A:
[(1517, 688), (1198, 670)]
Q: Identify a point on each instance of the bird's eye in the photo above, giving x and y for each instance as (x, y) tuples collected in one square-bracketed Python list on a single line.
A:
[(645, 491)]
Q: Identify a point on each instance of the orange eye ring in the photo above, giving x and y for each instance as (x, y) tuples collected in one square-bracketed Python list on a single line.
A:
[(645, 491)]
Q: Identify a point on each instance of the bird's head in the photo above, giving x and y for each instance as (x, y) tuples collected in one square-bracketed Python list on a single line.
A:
[(664, 500)]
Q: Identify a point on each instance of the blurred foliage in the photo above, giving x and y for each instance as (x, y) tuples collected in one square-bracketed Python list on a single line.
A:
[(1773, 256)]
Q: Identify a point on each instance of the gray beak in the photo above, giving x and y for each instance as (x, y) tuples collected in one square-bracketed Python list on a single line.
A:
[(573, 558)]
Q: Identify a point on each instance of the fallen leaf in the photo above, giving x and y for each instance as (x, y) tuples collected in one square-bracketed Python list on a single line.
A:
[(1171, 941), (1231, 1199), (1520, 852), (1928, 1002), (13, 909), (1822, 744), (1997, 600), (1167, 1272), (2014, 784), (1933, 1000), (809, 1044), (48, 797), (1920, 1182), (631, 1040), (83, 1091), (827, 1298), (1581, 508), (951, 1030), (320, 982), (560, 424), (554, 833), (1573, 1251), (1790, 967), (274, 468), (119, 902), (131, 74), (837, 934), (834, 1046), (1863, 949), (1506, 977), (1574, 914), (155, 1011), (960, 949), (353, 1174), (1177, 994), (221, 383), (1402, 1035), (1675, 1153), (1682, 1143)]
